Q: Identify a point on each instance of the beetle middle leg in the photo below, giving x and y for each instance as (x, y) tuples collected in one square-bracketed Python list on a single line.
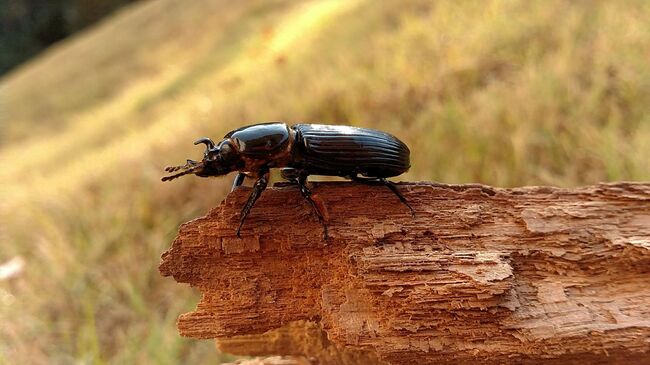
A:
[(299, 177), (389, 184), (239, 180), (259, 186)]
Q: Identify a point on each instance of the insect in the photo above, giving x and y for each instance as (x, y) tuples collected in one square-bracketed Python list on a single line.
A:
[(359, 154)]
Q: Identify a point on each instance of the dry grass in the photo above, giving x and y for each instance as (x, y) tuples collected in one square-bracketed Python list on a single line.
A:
[(499, 92)]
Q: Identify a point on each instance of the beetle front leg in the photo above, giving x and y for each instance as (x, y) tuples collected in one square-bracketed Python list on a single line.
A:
[(239, 179), (259, 186)]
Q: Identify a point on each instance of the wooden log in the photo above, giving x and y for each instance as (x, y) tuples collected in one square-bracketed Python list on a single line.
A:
[(273, 360), (479, 275)]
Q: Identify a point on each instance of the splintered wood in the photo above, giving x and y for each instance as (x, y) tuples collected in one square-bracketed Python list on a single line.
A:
[(479, 275)]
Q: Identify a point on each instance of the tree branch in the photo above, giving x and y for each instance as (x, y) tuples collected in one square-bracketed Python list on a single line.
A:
[(480, 274)]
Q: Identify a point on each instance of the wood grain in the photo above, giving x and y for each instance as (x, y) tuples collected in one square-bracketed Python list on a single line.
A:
[(479, 275)]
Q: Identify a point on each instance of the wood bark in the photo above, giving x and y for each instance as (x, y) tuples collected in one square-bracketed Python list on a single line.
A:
[(479, 275)]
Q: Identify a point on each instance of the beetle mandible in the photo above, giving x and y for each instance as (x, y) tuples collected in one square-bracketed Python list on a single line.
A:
[(360, 154)]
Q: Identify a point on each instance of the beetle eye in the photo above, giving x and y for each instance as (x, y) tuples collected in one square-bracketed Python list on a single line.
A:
[(211, 155), (225, 149), (226, 152)]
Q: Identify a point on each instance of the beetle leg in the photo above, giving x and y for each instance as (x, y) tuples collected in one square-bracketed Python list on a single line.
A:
[(299, 178), (389, 184), (239, 179), (306, 193), (290, 174), (259, 186)]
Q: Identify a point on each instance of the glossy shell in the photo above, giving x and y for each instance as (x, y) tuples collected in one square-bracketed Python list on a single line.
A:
[(349, 151), (261, 140)]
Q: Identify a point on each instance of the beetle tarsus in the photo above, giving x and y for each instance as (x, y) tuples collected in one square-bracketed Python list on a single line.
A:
[(259, 186)]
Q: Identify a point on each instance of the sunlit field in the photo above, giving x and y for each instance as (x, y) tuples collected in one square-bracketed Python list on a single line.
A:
[(506, 93)]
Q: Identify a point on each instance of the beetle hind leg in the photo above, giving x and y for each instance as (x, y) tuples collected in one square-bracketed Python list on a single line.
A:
[(389, 184)]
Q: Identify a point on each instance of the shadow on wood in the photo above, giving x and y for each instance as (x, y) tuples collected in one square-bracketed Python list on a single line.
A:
[(480, 275)]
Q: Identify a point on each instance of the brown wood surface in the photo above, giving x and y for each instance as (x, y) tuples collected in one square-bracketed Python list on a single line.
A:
[(479, 275)]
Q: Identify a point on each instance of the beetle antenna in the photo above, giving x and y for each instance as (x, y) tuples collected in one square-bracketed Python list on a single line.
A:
[(185, 172), (187, 165)]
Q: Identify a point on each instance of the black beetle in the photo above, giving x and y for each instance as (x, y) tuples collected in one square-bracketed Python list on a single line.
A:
[(360, 154)]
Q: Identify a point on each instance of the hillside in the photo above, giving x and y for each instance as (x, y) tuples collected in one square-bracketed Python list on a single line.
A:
[(30, 26), (499, 92)]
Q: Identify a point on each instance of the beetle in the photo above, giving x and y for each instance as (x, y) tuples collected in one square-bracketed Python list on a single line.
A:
[(360, 154)]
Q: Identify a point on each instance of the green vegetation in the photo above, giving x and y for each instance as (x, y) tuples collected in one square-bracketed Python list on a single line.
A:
[(498, 92), (29, 26)]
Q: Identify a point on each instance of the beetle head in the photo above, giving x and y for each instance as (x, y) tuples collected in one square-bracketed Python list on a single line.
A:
[(217, 160)]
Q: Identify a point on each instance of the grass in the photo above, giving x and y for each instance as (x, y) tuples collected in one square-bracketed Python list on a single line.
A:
[(500, 92)]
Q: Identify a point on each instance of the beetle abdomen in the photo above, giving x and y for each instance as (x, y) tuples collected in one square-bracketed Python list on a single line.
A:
[(347, 151)]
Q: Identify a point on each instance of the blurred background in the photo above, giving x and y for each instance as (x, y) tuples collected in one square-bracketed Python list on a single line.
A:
[(96, 97)]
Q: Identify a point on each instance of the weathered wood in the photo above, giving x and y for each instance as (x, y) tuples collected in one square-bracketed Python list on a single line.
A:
[(273, 360), (479, 275)]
